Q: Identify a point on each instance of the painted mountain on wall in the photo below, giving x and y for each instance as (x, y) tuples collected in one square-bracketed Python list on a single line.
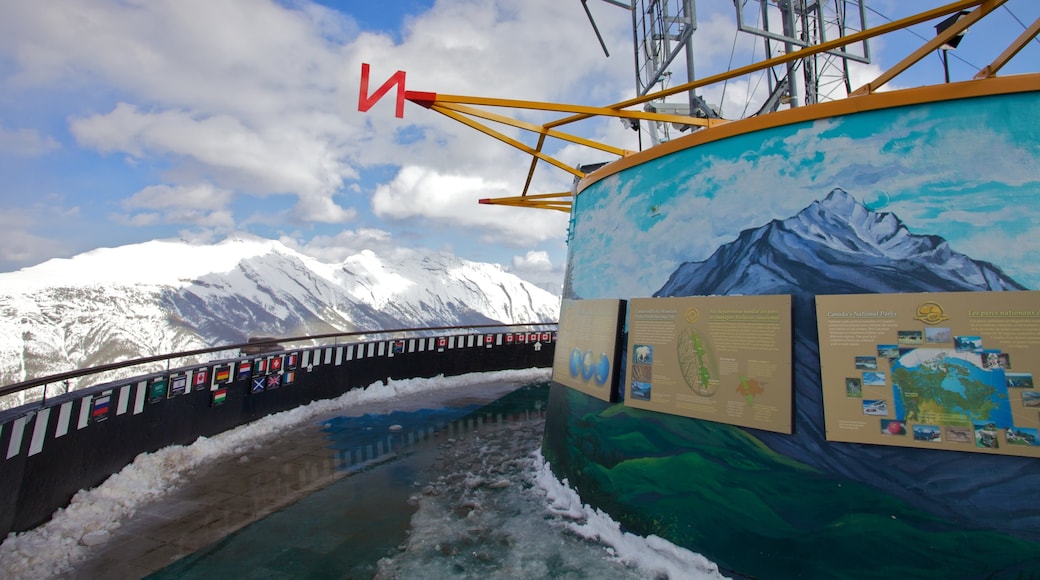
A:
[(161, 297), (838, 246)]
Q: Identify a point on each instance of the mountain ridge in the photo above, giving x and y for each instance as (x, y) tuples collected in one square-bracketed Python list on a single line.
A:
[(166, 296)]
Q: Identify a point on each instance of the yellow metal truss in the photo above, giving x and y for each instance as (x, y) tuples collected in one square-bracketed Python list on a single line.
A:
[(464, 109)]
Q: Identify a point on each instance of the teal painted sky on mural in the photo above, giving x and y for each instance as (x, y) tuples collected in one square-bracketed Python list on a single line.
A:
[(968, 171)]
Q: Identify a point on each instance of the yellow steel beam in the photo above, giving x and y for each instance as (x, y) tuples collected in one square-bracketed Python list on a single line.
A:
[(534, 128), (506, 139), (991, 69), (556, 201), (785, 58), (534, 163), (940, 39), (585, 110)]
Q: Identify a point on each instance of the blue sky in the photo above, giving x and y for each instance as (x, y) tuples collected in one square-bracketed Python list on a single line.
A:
[(122, 122)]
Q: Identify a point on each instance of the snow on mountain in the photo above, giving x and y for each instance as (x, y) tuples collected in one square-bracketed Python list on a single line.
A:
[(838, 246), (166, 296), (858, 250)]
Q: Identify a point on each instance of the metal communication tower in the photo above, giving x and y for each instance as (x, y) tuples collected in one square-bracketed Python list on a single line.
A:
[(664, 29)]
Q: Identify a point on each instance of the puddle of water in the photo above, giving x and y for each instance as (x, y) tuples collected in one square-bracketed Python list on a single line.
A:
[(345, 529)]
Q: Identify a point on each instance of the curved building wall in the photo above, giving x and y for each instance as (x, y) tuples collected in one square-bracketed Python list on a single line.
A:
[(928, 190)]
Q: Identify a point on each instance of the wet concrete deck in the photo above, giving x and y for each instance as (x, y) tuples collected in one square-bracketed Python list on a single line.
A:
[(220, 498)]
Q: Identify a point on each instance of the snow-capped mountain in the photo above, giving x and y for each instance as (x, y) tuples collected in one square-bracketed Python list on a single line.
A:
[(858, 250), (161, 297), (837, 246)]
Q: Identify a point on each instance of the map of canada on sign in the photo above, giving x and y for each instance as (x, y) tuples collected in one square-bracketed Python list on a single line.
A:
[(945, 387)]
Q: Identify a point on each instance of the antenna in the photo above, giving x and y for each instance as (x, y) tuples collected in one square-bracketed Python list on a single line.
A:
[(592, 21)]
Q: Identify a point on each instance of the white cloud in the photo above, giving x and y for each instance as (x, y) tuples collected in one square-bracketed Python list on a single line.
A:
[(199, 205), (338, 247), (535, 266), (26, 142), (533, 261), (25, 233), (260, 98), (201, 196), (449, 199), (274, 159)]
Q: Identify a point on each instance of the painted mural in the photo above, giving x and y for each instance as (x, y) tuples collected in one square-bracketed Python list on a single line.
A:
[(936, 197)]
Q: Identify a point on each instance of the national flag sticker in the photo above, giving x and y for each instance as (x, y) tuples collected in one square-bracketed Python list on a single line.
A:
[(200, 379), (259, 384), (289, 377), (178, 385), (222, 374), (100, 406), (245, 370), (219, 397), (292, 360), (274, 381), (157, 390), (275, 365)]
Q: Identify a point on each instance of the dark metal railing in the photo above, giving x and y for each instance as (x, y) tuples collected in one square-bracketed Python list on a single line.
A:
[(66, 376)]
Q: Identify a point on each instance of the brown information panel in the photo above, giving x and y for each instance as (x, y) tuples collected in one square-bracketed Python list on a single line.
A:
[(951, 370), (720, 358), (587, 346)]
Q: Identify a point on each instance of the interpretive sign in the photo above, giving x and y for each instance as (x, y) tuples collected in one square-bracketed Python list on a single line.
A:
[(720, 358), (951, 370), (588, 347)]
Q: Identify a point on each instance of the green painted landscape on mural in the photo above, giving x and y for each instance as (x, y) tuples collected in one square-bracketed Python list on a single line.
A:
[(696, 483)]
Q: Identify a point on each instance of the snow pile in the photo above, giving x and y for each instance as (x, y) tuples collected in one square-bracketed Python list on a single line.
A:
[(655, 556), (92, 514)]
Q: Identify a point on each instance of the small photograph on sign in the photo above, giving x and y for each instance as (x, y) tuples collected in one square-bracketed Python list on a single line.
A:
[(866, 363), (967, 343), (872, 379), (928, 433), (938, 335), (1030, 399), (875, 407), (994, 359), (1021, 436), (911, 337), (1019, 380), (986, 436), (889, 351), (893, 427), (958, 434), (640, 391), (854, 387)]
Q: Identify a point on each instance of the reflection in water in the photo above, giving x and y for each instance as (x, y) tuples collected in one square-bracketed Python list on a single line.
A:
[(468, 500), (343, 530)]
